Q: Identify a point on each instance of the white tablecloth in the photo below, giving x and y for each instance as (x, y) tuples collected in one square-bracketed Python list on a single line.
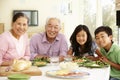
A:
[(95, 74)]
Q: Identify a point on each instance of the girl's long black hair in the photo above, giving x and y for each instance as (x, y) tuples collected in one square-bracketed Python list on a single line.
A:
[(75, 45)]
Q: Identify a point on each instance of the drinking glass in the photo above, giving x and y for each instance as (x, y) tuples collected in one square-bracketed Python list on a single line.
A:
[(68, 58), (54, 60)]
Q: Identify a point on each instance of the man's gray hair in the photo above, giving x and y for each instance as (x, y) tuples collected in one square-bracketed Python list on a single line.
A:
[(48, 19)]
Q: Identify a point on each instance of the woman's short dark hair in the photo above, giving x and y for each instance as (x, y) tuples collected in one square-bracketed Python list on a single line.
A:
[(18, 15), (105, 29), (75, 45)]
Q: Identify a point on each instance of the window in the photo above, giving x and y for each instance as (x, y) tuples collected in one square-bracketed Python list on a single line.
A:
[(100, 13), (90, 14), (109, 17)]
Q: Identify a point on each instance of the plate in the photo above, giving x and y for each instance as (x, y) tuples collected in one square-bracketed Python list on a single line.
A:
[(18, 77), (40, 63), (91, 64), (66, 74), (47, 60), (95, 64)]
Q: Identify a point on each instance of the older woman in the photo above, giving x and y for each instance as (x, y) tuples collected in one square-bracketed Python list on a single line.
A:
[(14, 43)]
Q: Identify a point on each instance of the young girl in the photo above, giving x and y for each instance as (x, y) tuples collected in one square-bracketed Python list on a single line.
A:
[(81, 42)]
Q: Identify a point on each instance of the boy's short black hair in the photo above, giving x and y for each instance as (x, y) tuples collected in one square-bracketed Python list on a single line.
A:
[(105, 29)]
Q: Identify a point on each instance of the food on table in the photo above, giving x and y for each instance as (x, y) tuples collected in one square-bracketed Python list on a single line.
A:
[(95, 65), (41, 63), (41, 59), (81, 60), (68, 65), (62, 72), (19, 65), (67, 73), (85, 62)]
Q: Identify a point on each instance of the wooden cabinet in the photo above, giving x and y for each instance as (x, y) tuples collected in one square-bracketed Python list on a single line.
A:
[(1, 28)]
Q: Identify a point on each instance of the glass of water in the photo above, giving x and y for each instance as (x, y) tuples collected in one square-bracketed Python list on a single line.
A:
[(68, 58), (54, 60)]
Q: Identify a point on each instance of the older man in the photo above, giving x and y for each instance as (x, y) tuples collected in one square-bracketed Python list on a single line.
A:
[(50, 42)]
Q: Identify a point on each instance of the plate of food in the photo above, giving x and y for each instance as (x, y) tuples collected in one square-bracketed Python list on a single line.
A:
[(66, 74), (95, 64), (85, 62), (40, 62), (82, 61)]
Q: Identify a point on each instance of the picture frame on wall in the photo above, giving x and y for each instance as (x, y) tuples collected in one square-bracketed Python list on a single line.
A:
[(66, 7), (31, 14)]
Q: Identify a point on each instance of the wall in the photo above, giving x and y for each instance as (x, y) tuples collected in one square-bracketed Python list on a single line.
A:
[(46, 8)]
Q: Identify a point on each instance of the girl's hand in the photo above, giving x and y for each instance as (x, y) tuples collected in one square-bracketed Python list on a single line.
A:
[(92, 58)]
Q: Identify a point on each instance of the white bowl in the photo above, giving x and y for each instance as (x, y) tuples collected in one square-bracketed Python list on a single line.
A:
[(68, 65)]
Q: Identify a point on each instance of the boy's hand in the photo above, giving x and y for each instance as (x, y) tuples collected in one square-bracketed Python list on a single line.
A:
[(104, 59), (98, 53)]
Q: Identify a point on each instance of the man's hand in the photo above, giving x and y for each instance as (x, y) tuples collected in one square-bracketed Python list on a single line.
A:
[(61, 58), (41, 56)]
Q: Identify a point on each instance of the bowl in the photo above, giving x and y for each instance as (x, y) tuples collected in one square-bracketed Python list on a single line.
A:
[(68, 65)]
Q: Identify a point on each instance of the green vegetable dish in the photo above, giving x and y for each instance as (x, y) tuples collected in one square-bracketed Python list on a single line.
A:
[(85, 62), (41, 59), (40, 62)]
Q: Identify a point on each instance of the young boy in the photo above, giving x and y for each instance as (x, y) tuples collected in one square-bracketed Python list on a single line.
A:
[(109, 50)]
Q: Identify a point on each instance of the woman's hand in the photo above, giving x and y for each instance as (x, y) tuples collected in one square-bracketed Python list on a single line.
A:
[(7, 63)]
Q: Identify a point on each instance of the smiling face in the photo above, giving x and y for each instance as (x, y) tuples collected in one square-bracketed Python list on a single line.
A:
[(81, 37), (52, 28), (19, 27), (103, 40)]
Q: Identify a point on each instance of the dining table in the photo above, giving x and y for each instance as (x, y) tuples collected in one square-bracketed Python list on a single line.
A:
[(94, 73)]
